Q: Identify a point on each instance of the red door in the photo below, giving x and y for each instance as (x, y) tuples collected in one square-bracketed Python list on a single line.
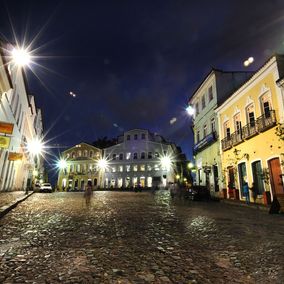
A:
[(275, 176)]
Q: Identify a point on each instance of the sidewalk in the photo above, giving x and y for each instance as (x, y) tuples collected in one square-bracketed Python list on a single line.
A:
[(10, 199), (250, 205)]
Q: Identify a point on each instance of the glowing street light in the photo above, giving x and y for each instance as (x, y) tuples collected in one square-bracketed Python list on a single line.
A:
[(21, 57), (62, 164), (190, 110), (166, 162), (35, 147), (102, 164), (190, 165)]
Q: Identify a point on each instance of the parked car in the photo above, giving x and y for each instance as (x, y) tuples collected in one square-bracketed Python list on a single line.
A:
[(36, 187), (197, 192), (46, 187)]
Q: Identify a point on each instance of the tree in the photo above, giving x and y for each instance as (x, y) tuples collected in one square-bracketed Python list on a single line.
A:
[(104, 142)]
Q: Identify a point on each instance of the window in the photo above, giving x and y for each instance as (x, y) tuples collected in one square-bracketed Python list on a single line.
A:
[(135, 136), (250, 115), (157, 155), (149, 155), (265, 105), (197, 108), (257, 174), (203, 101), (91, 154), (210, 93), (238, 123), (128, 156), (205, 130), (85, 153), (143, 155), (73, 155), (227, 131), (135, 168), (197, 136), (143, 136), (79, 153), (113, 169), (120, 168), (114, 156), (149, 168), (142, 168), (157, 168), (135, 156), (128, 168), (213, 125), (128, 137), (120, 156)]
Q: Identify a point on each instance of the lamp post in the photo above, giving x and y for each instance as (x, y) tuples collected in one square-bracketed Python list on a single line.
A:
[(102, 165), (62, 165)]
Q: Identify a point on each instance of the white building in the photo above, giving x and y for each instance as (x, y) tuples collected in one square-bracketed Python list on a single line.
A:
[(17, 112), (140, 158)]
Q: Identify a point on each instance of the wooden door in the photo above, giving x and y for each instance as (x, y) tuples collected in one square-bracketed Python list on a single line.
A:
[(275, 176)]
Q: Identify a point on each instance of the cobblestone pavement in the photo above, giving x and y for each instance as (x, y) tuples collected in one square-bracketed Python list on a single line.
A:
[(125, 237)]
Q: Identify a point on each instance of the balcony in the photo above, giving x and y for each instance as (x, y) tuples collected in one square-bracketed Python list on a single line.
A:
[(261, 124), (205, 142)]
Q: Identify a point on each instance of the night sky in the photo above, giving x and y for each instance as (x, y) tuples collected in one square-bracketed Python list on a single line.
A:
[(134, 64)]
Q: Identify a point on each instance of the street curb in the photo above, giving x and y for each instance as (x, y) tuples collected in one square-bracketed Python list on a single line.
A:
[(242, 204), (5, 209)]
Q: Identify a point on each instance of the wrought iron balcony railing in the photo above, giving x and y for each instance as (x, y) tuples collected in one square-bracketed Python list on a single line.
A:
[(262, 123), (205, 142)]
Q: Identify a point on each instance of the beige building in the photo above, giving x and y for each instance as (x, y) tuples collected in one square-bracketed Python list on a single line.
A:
[(80, 168)]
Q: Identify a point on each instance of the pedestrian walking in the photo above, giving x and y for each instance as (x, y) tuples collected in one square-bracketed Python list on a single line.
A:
[(88, 195), (246, 191), (254, 192)]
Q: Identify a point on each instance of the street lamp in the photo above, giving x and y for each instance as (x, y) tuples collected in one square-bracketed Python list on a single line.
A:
[(166, 162), (62, 164), (35, 147), (21, 57), (190, 110), (102, 164)]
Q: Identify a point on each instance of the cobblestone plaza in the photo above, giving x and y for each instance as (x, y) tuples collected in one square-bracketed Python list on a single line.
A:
[(125, 237)]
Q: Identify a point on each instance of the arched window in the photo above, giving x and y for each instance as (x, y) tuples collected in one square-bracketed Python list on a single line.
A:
[(265, 104), (250, 115)]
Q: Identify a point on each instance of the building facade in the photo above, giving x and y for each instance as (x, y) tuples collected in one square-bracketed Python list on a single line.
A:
[(139, 159), (212, 91), (251, 151), (17, 126), (80, 168)]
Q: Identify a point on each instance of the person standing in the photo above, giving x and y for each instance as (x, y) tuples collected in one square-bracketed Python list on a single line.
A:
[(246, 191)]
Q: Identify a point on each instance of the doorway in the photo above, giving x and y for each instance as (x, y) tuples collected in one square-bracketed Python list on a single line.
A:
[(275, 176)]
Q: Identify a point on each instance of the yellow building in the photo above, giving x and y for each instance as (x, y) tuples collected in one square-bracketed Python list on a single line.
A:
[(250, 148), (79, 168)]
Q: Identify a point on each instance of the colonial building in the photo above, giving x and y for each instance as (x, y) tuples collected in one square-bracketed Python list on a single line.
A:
[(251, 150), (212, 91), (18, 125), (140, 158), (80, 168)]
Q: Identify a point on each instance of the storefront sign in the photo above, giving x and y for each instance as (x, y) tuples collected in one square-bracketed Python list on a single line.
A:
[(13, 156), (6, 128), (4, 142)]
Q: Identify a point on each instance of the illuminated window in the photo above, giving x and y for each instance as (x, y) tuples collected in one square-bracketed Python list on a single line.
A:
[(149, 168), (135, 168), (79, 153), (142, 168), (85, 153), (120, 168), (157, 155), (128, 168), (157, 168), (113, 169), (128, 156)]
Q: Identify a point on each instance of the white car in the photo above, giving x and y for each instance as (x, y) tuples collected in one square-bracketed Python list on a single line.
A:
[(46, 187)]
